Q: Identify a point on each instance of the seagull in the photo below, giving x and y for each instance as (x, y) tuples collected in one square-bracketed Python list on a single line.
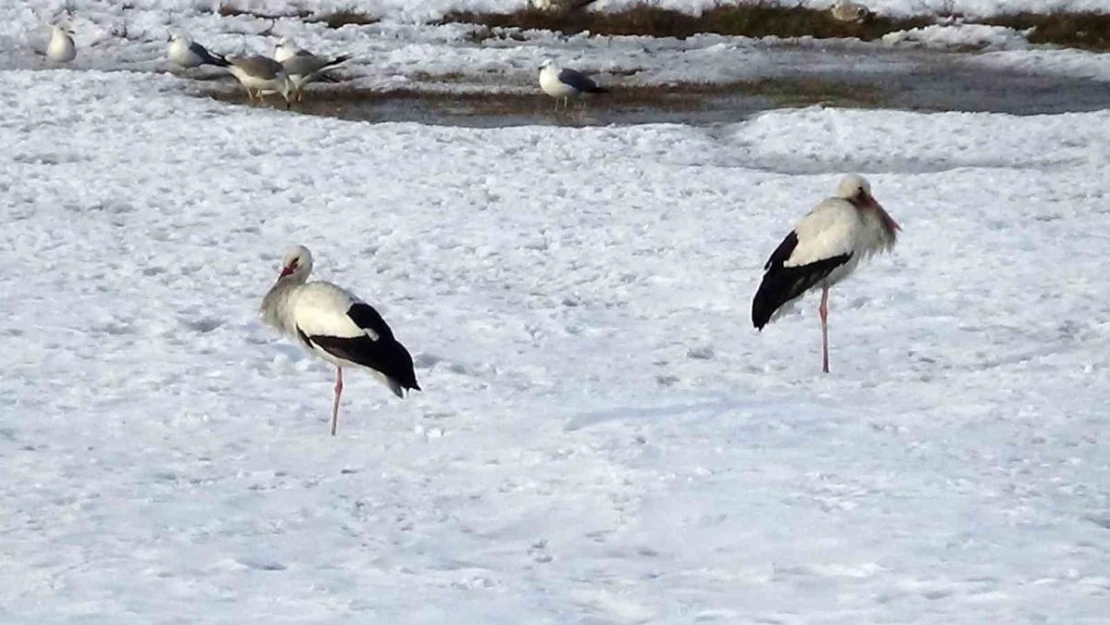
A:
[(848, 11), (559, 82), (824, 247), (258, 73), (333, 324), (186, 53), (301, 65), (61, 48)]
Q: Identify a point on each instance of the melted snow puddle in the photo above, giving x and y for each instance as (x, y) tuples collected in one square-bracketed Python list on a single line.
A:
[(994, 92), (899, 80)]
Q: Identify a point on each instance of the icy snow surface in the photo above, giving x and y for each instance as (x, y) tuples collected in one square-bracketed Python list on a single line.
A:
[(603, 438)]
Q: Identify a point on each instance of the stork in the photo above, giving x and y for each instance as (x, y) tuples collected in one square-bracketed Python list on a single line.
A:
[(337, 326), (824, 247)]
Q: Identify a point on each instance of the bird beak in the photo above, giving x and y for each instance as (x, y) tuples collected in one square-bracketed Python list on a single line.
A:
[(285, 271), (887, 219)]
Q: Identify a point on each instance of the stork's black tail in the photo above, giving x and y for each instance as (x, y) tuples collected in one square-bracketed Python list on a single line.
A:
[(782, 285)]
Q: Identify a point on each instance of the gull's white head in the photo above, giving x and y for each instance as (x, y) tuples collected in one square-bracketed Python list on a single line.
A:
[(285, 48), (178, 36), (296, 264), (547, 62), (57, 30)]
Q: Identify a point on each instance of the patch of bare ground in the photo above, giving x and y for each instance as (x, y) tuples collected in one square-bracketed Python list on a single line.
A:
[(231, 10), (1086, 30), (339, 19), (642, 102), (334, 19), (747, 20), (1089, 31)]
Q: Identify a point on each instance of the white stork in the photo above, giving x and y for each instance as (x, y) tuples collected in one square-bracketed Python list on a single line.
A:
[(824, 247), (335, 325)]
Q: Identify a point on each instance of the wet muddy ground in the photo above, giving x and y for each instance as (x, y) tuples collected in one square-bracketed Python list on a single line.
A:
[(915, 80)]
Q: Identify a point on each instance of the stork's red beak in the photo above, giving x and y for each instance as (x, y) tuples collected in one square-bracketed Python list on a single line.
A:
[(286, 271), (885, 216)]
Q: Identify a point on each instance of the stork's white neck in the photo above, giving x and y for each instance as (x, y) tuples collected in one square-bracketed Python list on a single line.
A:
[(277, 306)]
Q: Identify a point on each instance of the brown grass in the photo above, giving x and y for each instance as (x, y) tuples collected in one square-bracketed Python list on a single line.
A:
[(227, 10), (748, 20), (336, 19), (1089, 31), (1079, 30), (339, 19)]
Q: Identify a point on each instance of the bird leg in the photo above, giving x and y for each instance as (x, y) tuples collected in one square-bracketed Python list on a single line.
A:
[(823, 311), (338, 392)]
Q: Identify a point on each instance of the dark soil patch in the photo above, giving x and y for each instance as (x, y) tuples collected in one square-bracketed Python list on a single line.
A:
[(747, 20)]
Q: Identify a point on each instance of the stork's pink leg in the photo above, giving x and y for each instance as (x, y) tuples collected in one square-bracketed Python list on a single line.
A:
[(823, 311), (335, 406)]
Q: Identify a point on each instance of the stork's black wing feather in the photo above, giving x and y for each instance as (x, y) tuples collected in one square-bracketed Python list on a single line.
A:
[(383, 354), (781, 284)]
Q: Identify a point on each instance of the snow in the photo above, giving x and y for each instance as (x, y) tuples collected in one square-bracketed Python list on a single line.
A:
[(602, 437), (960, 35)]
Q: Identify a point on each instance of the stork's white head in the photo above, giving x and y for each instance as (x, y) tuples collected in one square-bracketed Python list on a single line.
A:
[(857, 190), (297, 264), (853, 186)]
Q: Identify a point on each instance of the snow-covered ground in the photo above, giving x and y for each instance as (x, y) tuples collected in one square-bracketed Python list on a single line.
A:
[(603, 438), (404, 51)]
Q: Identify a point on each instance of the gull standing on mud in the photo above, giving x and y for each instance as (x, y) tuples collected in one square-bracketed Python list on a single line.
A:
[(303, 66), (565, 83), (61, 48), (186, 53), (258, 73), (333, 324), (824, 247)]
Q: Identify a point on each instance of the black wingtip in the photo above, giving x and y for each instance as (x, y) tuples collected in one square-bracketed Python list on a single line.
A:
[(761, 315), (211, 58)]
